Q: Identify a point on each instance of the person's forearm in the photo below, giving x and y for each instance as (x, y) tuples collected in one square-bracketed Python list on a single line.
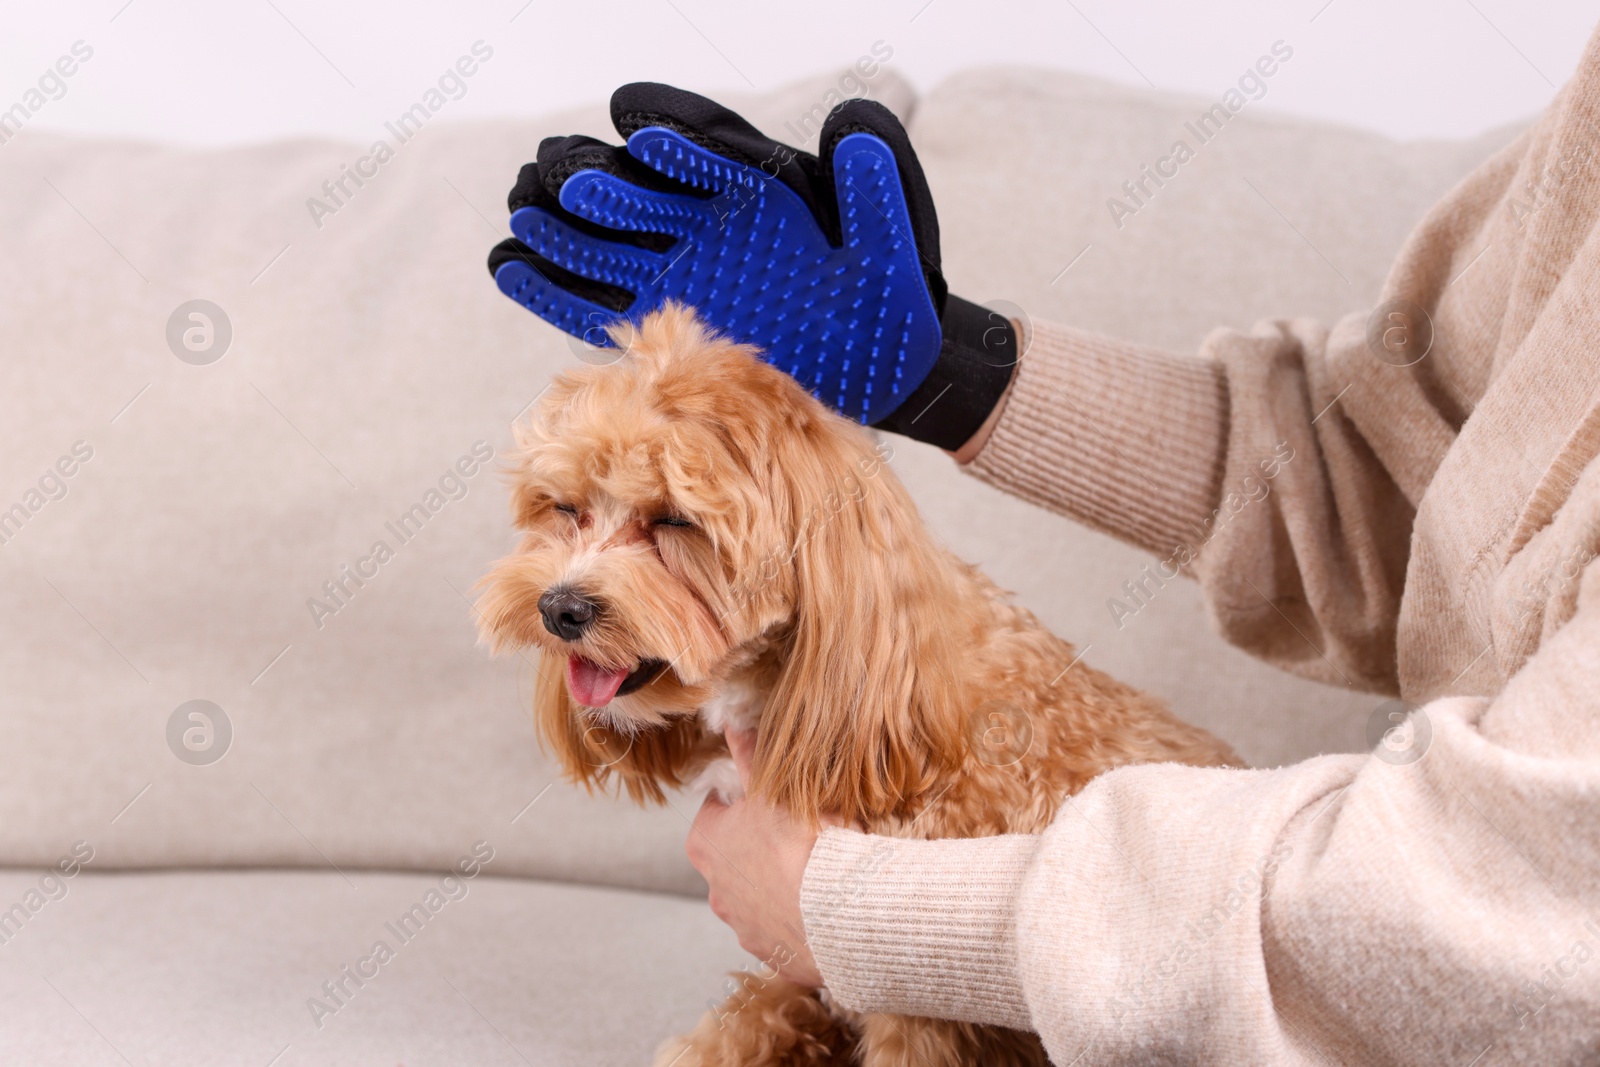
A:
[(1282, 465), (863, 892), (1061, 932), (1214, 463), (1121, 437), (1348, 909)]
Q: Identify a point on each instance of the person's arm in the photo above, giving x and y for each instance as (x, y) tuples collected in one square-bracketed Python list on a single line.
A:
[(1438, 911), (1344, 910), (1281, 466)]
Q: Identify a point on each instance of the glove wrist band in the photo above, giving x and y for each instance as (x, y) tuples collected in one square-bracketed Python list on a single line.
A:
[(974, 368)]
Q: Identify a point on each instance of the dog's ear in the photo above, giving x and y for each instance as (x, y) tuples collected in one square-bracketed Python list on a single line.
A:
[(866, 709), (593, 754)]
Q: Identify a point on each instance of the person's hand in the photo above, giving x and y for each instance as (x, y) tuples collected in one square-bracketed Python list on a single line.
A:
[(828, 263), (754, 857)]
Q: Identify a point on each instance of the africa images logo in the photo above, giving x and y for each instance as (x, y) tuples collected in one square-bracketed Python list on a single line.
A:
[(1251, 86), (51, 85)]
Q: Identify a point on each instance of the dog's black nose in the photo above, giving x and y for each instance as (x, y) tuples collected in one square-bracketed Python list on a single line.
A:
[(566, 614)]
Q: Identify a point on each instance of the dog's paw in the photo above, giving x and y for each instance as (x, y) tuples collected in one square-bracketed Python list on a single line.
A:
[(720, 777)]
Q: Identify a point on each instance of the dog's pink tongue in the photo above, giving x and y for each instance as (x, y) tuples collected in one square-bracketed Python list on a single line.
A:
[(592, 685)]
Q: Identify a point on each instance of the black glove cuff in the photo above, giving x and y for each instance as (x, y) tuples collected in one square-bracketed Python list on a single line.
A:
[(972, 372)]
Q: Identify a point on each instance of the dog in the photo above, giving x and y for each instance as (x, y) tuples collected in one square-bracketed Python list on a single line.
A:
[(705, 545)]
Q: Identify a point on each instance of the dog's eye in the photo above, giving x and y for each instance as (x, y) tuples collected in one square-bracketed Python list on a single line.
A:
[(673, 520), (567, 509)]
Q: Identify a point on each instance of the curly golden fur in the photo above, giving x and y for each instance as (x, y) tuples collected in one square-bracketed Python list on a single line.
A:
[(752, 560)]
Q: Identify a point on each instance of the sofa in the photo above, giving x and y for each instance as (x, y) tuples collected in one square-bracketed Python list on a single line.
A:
[(266, 799)]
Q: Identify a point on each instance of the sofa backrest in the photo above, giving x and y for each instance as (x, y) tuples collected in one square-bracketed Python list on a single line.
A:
[(250, 418)]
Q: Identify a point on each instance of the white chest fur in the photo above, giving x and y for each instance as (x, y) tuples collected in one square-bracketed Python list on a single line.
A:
[(736, 705)]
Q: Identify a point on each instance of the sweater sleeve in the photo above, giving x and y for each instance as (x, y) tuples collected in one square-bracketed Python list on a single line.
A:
[(1422, 906), (1281, 465)]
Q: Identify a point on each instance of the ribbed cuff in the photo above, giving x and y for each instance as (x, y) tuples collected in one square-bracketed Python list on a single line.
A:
[(922, 928), (1126, 439)]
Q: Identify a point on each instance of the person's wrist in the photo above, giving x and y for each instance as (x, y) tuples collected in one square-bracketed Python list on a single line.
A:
[(919, 927), (969, 451), (957, 400), (795, 963)]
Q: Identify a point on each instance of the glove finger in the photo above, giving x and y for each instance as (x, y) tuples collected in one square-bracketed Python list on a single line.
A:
[(673, 155), (583, 254), (870, 117), (539, 185), (721, 133), (872, 208), (523, 277), (606, 200), (895, 320), (562, 157), (639, 104), (539, 182)]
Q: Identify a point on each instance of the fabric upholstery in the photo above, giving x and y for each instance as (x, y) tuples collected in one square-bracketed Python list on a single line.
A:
[(368, 356), (217, 967)]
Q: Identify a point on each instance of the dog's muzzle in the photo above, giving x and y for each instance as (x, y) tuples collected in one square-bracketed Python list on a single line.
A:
[(566, 614)]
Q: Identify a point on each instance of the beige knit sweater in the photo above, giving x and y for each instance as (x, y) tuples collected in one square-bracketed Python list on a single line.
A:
[(1432, 538)]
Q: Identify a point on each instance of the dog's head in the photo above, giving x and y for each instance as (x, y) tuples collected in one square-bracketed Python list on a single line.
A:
[(689, 511)]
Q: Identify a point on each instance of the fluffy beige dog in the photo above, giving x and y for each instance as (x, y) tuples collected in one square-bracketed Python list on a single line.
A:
[(705, 544)]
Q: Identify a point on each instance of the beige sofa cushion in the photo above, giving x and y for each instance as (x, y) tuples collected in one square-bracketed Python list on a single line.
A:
[(224, 967), (370, 354)]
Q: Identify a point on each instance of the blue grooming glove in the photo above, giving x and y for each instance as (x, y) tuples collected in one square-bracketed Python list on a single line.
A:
[(828, 263)]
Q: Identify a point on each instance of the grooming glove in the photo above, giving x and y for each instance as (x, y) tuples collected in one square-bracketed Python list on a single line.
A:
[(829, 263)]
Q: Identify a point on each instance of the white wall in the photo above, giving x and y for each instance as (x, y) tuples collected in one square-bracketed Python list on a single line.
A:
[(227, 71)]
